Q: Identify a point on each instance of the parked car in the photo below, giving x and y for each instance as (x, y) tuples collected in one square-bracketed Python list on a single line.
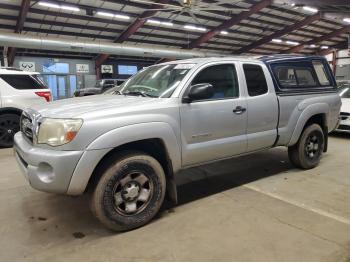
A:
[(126, 147), (344, 92), (18, 90), (101, 86)]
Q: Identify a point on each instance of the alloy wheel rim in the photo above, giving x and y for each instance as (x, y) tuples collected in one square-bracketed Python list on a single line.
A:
[(8, 128), (312, 146), (132, 193)]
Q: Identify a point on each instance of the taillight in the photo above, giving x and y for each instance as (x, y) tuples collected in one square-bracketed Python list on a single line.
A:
[(44, 94)]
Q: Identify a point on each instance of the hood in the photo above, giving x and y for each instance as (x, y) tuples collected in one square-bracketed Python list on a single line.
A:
[(345, 105), (78, 106)]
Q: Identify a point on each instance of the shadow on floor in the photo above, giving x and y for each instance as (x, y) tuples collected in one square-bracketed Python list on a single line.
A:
[(70, 217), (340, 135), (224, 175)]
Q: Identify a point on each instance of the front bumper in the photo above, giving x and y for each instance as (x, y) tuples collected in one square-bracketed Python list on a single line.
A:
[(46, 170)]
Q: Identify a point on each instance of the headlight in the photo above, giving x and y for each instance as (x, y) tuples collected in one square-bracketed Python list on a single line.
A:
[(56, 132)]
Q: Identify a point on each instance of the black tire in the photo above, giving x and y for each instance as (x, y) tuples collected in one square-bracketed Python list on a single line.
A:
[(122, 188), (9, 126), (306, 154)]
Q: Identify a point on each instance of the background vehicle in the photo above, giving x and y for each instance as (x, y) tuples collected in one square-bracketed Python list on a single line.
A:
[(344, 92), (18, 90), (101, 86), (127, 147)]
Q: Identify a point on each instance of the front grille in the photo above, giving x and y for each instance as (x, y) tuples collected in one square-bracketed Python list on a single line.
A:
[(27, 127)]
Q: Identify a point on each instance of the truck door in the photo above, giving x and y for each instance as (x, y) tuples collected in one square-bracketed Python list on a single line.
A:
[(262, 107), (214, 128)]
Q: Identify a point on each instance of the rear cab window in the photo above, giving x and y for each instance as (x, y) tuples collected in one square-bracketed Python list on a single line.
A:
[(255, 79), (321, 73), (23, 82), (302, 76)]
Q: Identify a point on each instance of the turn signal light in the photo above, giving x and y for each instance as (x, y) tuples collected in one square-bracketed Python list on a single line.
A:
[(45, 94)]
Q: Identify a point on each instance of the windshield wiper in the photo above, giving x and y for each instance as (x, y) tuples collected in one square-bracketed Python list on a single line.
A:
[(138, 93)]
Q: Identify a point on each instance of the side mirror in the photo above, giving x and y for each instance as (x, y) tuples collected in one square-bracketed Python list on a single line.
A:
[(199, 92)]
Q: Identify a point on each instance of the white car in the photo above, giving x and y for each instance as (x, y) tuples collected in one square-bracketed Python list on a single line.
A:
[(344, 125), (18, 90)]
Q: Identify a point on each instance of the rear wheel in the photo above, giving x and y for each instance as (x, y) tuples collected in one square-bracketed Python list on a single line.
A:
[(130, 192), (307, 152), (9, 126)]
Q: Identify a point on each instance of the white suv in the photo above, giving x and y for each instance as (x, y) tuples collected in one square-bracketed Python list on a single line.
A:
[(18, 90)]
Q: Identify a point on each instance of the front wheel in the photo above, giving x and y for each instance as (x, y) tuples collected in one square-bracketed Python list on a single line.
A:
[(307, 152), (130, 192)]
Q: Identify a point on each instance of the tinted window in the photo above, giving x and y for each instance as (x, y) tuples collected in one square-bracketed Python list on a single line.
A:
[(23, 81), (222, 77), (295, 77), (321, 73), (286, 76), (255, 78), (305, 77)]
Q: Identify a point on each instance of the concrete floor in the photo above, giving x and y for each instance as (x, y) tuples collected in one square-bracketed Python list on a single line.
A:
[(253, 208)]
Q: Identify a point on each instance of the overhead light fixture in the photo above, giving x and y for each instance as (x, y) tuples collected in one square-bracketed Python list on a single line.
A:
[(70, 8), (49, 5), (277, 40), (125, 17), (324, 47), (347, 20), (157, 22), (312, 46), (310, 9), (64, 7), (292, 43), (192, 27), (224, 32), (167, 23)]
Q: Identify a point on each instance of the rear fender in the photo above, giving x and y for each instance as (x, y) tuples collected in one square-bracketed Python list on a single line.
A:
[(308, 112)]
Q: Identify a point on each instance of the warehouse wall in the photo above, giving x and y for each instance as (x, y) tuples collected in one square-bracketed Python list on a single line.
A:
[(83, 79), (343, 64)]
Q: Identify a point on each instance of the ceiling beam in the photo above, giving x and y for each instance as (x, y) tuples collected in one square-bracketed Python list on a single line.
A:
[(278, 34), (25, 5), (343, 45), (229, 23), (317, 40), (138, 23)]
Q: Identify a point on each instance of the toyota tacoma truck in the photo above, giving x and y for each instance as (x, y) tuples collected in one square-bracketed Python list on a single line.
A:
[(125, 147)]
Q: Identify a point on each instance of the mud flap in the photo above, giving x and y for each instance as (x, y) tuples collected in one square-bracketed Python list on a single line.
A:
[(171, 189), (325, 131)]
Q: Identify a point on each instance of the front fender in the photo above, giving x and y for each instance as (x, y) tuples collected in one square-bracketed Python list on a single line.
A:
[(308, 112), (136, 132), (117, 137)]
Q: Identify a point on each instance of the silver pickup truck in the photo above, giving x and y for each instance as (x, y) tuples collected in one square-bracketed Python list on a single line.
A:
[(126, 146)]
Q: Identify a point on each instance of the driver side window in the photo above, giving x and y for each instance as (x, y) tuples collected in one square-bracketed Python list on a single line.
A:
[(222, 77)]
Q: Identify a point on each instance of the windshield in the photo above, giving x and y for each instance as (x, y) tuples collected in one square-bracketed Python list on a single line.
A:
[(155, 81)]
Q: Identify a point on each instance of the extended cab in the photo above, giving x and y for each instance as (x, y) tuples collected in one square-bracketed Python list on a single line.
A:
[(127, 146)]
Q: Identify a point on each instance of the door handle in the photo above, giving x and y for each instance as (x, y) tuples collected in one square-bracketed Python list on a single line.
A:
[(239, 110)]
